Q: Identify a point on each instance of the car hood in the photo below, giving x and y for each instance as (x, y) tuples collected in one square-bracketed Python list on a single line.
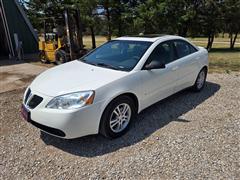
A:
[(72, 77)]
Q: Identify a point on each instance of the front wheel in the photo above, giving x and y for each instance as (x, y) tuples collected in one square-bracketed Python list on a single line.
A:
[(60, 57), (117, 117), (43, 57), (200, 81)]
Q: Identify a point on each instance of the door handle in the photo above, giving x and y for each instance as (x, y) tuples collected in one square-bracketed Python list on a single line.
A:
[(175, 68)]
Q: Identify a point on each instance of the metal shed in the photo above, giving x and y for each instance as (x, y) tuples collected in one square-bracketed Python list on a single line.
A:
[(15, 30)]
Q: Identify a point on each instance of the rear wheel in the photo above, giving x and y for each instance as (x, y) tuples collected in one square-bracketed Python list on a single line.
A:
[(200, 81), (117, 117)]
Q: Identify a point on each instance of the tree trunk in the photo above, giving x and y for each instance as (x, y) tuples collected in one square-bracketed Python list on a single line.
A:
[(93, 37), (233, 40), (79, 29), (120, 27), (182, 31), (109, 33), (179, 32), (210, 41), (185, 30)]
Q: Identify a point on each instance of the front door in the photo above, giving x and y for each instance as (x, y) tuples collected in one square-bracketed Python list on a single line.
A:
[(159, 83)]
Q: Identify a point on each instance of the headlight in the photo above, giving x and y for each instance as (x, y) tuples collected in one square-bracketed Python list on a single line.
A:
[(72, 100)]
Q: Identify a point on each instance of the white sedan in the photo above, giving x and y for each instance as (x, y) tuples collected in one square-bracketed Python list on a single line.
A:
[(104, 90)]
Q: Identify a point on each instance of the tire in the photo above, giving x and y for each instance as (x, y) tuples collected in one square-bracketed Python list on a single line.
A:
[(200, 81), (60, 57), (110, 125), (43, 57)]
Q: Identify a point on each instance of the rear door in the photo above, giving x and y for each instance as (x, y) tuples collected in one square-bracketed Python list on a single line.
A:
[(185, 65)]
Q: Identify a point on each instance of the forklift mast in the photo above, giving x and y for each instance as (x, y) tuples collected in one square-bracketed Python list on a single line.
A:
[(69, 33)]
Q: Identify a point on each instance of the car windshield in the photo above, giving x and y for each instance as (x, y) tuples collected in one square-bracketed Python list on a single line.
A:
[(117, 54)]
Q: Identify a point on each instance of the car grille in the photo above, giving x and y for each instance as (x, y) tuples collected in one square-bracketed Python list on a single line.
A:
[(31, 100)]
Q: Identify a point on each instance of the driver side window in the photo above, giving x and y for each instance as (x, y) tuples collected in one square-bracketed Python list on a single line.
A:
[(163, 53)]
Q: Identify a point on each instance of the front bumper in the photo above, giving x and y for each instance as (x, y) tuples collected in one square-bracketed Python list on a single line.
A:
[(65, 123)]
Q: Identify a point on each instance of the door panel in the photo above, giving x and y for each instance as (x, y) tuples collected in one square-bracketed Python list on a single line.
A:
[(158, 84), (184, 72), (187, 65)]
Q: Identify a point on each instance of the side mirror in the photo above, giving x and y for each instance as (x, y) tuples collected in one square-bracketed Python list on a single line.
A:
[(154, 65)]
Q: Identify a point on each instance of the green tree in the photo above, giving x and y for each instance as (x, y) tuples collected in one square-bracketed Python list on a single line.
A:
[(37, 10), (145, 17), (120, 16), (129, 15), (80, 10), (208, 19), (165, 16), (107, 6), (231, 16), (88, 17), (179, 16)]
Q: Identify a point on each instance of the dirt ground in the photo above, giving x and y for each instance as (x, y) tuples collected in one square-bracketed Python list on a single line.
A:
[(187, 136), (18, 75)]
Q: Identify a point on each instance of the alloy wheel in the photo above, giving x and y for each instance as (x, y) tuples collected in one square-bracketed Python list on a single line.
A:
[(120, 117), (201, 79)]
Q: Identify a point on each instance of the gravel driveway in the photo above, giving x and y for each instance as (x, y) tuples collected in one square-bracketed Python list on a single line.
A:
[(14, 76), (187, 136)]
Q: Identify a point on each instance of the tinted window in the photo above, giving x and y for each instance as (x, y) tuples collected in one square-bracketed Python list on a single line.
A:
[(192, 48), (118, 54), (183, 48), (164, 53)]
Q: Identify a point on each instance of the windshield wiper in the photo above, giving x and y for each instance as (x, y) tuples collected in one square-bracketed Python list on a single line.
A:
[(103, 65), (106, 65)]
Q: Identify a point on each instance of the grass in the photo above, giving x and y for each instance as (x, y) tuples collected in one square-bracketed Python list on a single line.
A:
[(216, 39), (87, 41), (221, 58), (222, 45), (201, 41)]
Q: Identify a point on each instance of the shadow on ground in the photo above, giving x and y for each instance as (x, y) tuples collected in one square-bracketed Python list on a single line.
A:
[(147, 122), (5, 61), (225, 50)]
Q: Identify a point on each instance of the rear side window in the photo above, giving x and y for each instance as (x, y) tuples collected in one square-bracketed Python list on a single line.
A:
[(183, 48)]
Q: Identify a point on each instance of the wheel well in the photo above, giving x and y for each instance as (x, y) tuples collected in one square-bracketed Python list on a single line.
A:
[(205, 67), (133, 97)]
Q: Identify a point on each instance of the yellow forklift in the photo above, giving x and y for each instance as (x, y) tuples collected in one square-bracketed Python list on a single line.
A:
[(59, 43)]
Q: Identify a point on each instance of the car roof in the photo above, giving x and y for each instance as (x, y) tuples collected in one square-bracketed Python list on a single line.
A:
[(149, 38)]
